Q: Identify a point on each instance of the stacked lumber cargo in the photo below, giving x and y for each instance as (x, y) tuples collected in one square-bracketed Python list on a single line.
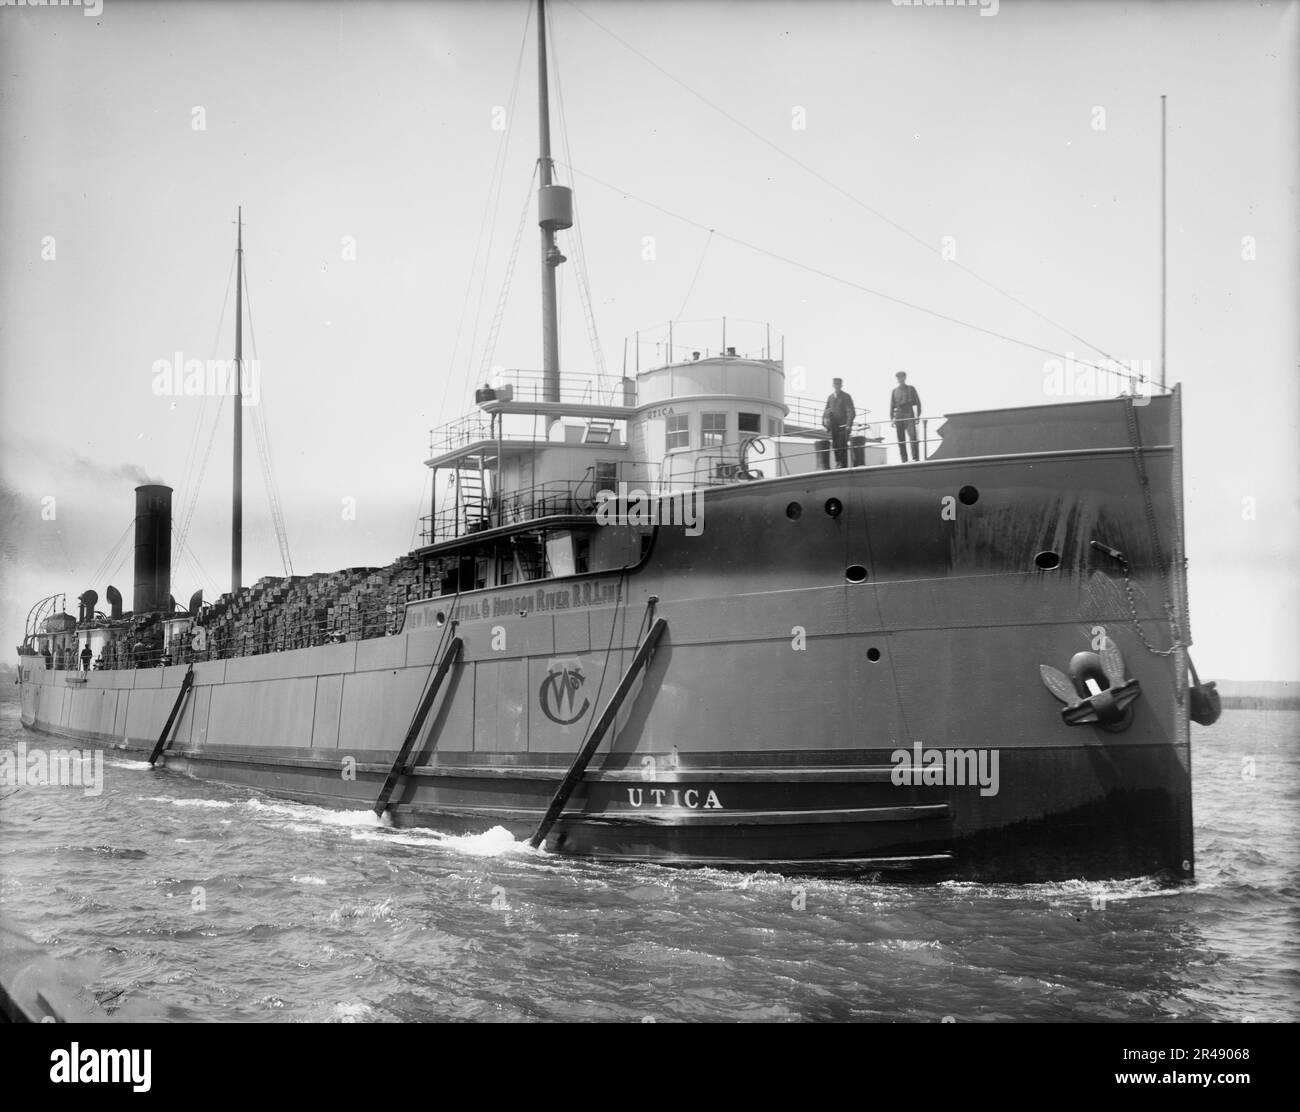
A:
[(276, 613)]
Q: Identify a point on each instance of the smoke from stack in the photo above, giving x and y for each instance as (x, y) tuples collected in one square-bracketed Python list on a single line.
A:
[(153, 549)]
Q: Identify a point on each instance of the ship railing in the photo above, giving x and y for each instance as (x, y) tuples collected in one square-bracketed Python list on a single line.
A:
[(516, 507), (804, 412), (460, 433), (880, 434), (359, 623), (579, 388), (757, 456), (528, 386), (680, 341)]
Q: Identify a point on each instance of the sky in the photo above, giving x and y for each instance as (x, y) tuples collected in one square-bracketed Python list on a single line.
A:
[(834, 148)]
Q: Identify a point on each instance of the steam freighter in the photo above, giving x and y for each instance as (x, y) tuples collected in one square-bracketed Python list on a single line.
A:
[(652, 621)]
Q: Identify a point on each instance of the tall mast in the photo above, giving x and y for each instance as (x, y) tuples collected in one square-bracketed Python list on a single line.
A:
[(554, 211), (1163, 224), (237, 503)]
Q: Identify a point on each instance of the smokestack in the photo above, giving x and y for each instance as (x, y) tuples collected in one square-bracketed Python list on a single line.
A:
[(153, 548)]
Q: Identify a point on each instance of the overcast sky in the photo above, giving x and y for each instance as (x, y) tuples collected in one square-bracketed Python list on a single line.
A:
[(1029, 136)]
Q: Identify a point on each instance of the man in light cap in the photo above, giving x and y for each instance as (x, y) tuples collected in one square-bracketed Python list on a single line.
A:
[(904, 410)]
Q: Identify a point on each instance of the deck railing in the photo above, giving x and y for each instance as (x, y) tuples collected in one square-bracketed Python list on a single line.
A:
[(561, 496)]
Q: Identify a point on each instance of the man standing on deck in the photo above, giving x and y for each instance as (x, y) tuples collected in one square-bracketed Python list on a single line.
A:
[(837, 420), (904, 411)]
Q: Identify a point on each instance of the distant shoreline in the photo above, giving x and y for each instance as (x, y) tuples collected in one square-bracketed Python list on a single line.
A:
[(1261, 702), (1259, 694)]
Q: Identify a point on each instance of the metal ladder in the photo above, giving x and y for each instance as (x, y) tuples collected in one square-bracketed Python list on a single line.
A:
[(469, 495), (600, 430)]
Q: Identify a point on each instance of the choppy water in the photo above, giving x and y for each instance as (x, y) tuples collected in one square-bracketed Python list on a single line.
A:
[(200, 901)]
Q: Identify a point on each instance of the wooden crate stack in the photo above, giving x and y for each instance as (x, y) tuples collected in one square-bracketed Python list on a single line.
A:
[(288, 613)]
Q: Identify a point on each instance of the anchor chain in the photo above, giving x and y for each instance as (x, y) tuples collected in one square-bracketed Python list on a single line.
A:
[(1171, 614)]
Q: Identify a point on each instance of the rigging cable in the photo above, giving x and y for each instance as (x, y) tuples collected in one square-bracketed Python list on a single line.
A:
[(191, 455), (581, 274), (864, 289), (262, 437), (419, 515), (494, 330), (838, 188), (198, 482), (113, 553), (196, 564), (691, 288), (492, 202)]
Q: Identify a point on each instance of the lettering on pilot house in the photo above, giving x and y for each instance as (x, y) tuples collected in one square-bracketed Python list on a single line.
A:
[(690, 798)]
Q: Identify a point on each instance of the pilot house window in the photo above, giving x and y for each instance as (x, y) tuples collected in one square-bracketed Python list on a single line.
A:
[(606, 474), (713, 430), (750, 422), (679, 431)]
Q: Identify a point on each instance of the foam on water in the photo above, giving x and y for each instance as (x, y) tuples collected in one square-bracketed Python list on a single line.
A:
[(354, 1012), (213, 804), (306, 813), (131, 766), (434, 925), (497, 842)]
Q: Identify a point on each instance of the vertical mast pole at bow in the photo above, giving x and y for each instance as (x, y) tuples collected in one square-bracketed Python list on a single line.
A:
[(237, 495)]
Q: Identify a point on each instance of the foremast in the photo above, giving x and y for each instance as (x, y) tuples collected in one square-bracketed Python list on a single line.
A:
[(554, 211)]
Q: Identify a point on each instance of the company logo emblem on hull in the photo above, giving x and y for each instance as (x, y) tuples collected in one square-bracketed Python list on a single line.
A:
[(558, 694)]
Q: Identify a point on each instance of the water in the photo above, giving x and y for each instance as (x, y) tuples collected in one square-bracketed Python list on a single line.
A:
[(197, 901)]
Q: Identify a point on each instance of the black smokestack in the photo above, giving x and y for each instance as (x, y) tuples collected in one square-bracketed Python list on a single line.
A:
[(153, 548)]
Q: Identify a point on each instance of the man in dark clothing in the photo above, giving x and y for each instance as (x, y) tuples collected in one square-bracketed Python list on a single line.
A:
[(904, 411), (86, 657), (837, 420)]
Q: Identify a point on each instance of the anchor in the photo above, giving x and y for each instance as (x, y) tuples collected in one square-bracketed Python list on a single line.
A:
[(1095, 691)]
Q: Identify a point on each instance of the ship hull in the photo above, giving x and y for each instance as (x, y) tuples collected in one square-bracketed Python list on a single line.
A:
[(849, 683)]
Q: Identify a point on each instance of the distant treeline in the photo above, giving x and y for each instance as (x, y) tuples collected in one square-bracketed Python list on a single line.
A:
[(1261, 702)]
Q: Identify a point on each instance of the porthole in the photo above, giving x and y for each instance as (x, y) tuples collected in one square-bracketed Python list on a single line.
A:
[(855, 573), (794, 511), (1047, 561), (440, 618), (873, 654), (968, 496), (834, 507)]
